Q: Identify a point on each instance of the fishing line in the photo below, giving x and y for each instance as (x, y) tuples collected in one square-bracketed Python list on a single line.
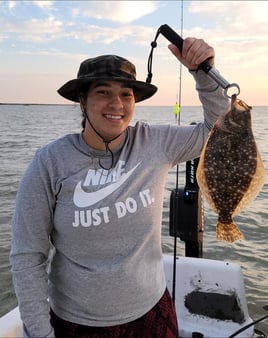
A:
[(178, 118), (247, 326), (178, 100)]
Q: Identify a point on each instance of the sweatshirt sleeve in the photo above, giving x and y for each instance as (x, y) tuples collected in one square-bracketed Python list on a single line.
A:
[(184, 143), (214, 103), (31, 227), (212, 97)]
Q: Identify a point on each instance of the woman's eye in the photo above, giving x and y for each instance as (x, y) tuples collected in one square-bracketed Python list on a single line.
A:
[(128, 94), (103, 92)]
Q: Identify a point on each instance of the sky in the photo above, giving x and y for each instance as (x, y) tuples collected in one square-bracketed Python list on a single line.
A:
[(42, 44)]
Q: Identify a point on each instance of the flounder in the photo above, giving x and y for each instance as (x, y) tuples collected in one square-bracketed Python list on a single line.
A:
[(230, 173)]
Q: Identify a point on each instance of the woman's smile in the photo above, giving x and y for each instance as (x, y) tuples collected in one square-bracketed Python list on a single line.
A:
[(113, 117)]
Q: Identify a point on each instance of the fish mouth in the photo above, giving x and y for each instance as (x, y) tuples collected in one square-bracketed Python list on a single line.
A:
[(239, 104), (233, 99)]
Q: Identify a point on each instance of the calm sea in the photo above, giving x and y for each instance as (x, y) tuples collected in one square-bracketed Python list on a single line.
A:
[(24, 128)]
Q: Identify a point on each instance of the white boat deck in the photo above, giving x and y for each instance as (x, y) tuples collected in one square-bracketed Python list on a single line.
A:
[(196, 278)]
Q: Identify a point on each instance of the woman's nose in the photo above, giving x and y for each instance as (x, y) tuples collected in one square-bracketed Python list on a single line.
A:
[(116, 101)]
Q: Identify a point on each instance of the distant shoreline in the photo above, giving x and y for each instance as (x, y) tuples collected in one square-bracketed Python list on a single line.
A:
[(74, 104), (68, 104), (38, 104)]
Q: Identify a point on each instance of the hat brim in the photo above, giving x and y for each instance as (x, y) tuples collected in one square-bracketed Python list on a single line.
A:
[(71, 89)]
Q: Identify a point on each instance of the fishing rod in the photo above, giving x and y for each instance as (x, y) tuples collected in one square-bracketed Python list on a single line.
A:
[(251, 324), (185, 217), (173, 214), (177, 40)]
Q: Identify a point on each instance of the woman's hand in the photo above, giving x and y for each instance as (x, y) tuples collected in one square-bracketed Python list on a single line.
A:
[(194, 52)]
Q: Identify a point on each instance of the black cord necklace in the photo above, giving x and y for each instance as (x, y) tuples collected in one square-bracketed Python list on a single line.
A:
[(106, 142)]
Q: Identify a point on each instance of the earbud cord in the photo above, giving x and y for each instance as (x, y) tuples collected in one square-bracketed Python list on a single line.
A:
[(106, 142)]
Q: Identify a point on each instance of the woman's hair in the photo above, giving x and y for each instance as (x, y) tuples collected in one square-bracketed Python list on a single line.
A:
[(83, 92)]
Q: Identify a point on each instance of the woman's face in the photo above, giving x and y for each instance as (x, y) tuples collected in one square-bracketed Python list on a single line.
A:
[(110, 108)]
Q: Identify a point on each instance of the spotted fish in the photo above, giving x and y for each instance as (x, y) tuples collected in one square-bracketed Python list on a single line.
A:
[(230, 173)]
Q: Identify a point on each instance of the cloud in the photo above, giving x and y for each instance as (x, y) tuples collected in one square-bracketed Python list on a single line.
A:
[(11, 5), (3, 36), (118, 11), (235, 13), (232, 28), (44, 29), (39, 28), (43, 4), (33, 30), (138, 35)]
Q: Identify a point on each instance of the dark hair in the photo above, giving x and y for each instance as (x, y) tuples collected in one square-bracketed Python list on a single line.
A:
[(83, 91)]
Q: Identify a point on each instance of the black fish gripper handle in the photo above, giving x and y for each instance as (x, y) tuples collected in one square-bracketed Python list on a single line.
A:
[(177, 40)]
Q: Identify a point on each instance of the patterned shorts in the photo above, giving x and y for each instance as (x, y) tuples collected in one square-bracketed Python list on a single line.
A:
[(159, 322)]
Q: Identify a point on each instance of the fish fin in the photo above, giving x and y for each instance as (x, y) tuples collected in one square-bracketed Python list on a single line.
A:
[(255, 186), (228, 232), (202, 182)]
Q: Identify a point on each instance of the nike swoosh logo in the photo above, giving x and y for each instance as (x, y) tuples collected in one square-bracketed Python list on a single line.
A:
[(84, 199)]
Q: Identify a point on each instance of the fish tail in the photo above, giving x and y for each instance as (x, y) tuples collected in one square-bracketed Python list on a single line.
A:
[(228, 232)]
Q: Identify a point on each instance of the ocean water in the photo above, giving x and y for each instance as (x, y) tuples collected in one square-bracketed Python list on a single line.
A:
[(25, 128)]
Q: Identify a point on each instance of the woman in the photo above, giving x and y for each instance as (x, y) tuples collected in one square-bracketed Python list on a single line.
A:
[(97, 198)]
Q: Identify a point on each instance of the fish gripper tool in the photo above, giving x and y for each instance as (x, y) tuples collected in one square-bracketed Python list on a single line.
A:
[(177, 40)]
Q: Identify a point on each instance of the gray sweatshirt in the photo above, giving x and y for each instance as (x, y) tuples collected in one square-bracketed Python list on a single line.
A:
[(105, 226)]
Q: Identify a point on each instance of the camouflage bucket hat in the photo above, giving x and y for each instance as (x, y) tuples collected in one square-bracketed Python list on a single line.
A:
[(106, 67)]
